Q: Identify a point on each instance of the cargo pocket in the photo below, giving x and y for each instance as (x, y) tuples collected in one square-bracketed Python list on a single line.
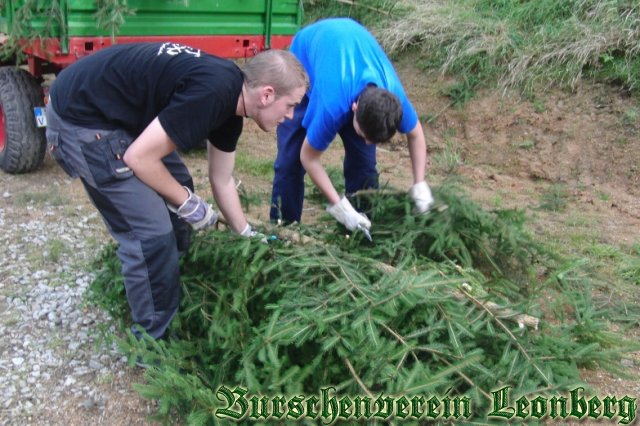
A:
[(53, 145), (104, 158)]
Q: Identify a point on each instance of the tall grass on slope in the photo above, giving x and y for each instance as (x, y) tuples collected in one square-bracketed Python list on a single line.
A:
[(522, 44), (368, 12)]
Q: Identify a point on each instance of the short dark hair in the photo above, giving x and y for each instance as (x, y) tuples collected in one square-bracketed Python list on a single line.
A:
[(379, 114)]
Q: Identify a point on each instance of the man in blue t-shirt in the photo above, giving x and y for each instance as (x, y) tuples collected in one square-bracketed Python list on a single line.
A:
[(116, 119), (354, 92)]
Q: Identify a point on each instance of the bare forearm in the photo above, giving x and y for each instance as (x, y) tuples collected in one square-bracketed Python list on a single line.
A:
[(144, 158), (158, 178), (227, 198), (223, 187), (417, 152)]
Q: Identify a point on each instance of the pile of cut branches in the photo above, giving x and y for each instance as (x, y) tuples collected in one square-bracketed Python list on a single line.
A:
[(443, 304)]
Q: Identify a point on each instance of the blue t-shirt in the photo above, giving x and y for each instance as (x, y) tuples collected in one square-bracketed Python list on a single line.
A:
[(342, 58)]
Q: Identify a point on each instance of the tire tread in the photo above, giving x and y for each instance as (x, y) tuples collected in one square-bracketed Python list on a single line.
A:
[(25, 143)]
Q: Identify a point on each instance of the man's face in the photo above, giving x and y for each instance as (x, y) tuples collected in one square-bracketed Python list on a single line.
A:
[(275, 110)]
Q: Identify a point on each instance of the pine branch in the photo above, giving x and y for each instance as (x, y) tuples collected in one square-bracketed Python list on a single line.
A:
[(110, 15), (357, 378), (284, 319), (523, 320), (509, 333)]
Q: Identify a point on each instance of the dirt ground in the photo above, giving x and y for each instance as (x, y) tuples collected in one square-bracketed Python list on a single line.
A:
[(509, 152)]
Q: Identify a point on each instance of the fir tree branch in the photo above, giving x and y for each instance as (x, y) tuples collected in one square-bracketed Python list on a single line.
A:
[(469, 381), (403, 342), (492, 307), (509, 333), (442, 358), (357, 378), (348, 278), (286, 318)]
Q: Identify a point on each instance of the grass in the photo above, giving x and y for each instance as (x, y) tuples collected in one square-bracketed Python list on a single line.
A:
[(105, 379), (615, 267), (539, 106), (257, 167), (519, 44), (314, 195), (629, 267), (614, 273), (51, 198), (604, 251), (365, 11), (250, 198), (631, 116), (462, 91), (618, 263), (447, 159), (55, 249), (56, 343), (555, 198), (10, 321), (526, 144)]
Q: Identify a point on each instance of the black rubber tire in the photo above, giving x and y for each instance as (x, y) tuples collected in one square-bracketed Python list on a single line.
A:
[(25, 142)]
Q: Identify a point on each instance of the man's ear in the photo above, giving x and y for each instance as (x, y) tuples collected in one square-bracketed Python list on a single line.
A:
[(267, 95), (354, 107)]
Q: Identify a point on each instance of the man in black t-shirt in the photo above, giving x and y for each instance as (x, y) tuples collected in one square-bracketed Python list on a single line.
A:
[(116, 119)]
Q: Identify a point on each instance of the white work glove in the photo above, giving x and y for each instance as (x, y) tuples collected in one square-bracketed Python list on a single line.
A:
[(195, 211), (250, 233), (344, 213), (420, 193)]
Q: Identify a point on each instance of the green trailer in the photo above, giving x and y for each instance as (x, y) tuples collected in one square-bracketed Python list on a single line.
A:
[(51, 35)]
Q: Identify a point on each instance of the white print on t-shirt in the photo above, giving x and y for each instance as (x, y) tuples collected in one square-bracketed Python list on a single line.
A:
[(175, 49)]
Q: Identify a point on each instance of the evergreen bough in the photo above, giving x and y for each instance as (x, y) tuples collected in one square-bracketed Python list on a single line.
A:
[(109, 15), (408, 314)]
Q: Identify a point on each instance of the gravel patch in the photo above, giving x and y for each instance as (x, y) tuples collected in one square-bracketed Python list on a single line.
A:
[(51, 359)]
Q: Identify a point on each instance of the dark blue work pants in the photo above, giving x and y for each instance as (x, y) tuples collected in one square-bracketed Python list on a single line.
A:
[(150, 238), (359, 165)]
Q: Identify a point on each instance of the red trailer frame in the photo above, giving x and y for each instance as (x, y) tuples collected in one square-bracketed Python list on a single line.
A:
[(47, 55)]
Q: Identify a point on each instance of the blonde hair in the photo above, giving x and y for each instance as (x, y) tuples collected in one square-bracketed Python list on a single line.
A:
[(277, 68)]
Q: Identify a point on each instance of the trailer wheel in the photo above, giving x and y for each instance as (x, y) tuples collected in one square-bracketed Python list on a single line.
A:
[(22, 143)]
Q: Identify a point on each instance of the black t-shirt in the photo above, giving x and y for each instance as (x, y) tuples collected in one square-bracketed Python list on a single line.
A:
[(126, 86)]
